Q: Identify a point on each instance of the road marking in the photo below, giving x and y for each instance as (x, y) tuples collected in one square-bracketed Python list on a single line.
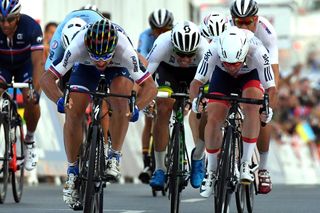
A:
[(193, 200)]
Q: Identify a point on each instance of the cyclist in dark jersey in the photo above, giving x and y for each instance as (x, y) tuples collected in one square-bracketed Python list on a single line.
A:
[(21, 57)]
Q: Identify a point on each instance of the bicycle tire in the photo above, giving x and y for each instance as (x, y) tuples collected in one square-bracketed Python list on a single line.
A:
[(174, 179), (222, 197), (240, 198), (90, 201), (4, 169), (17, 177)]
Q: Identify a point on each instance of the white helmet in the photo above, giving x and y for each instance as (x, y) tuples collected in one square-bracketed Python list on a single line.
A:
[(70, 29), (185, 37), (234, 45), (90, 7), (213, 25)]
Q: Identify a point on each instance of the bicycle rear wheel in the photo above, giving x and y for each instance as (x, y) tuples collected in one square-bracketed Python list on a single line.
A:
[(17, 177), (93, 190), (174, 178), (4, 156), (222, 196), (252, 189)]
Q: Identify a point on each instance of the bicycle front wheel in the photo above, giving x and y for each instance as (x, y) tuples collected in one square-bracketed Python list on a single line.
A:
[(222, 196), (18, 166), (4, 157), (93, 198), (174, 178)]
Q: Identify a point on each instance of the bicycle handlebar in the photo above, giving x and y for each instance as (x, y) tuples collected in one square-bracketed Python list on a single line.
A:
[(162, 94), (236, 99), (19, 85)]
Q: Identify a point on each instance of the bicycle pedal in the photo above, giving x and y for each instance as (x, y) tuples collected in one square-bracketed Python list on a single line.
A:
[(158, 188)]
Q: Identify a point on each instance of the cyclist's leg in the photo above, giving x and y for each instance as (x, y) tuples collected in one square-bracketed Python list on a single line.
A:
[(216, 115), (120, 83), (161, 129), (31, 114), (83, 78), (265, 184), (251, 124)]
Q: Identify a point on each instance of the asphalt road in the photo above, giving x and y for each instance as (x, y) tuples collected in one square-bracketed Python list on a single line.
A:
[(137, 198)]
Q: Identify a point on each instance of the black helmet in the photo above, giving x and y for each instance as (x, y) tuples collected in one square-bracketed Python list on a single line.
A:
[(244, 8), (161, 18), (101, 38)]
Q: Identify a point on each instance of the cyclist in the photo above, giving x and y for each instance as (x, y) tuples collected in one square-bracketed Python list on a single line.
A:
[(97, 48), (174, 58), (160, 21), (244, 15), (21, 57), (212, 26), (238, 61)]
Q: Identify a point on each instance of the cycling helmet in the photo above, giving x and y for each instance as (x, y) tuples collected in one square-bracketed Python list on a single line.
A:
[(213, 25), (234, 45), (244, 8), (101, 38), (185, 37), (90, 7), (70, 29), (10, 7), (160, 18)]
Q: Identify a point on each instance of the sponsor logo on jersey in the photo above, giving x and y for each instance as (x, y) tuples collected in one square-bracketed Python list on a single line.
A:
[(51, 54), (54, 44), (65, 62), (135, 63), (267, 73), (19, 36), (207, 55), (265, 59), (39, 39)]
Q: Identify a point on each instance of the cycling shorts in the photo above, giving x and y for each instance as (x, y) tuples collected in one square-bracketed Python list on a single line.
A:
[(85, 78)]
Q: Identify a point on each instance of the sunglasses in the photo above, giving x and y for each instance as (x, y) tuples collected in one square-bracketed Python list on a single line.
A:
[(9, 19), (184, 54), (101, 58), (244, 21)]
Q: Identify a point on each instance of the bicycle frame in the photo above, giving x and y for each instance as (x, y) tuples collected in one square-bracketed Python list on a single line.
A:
[(177, 160), (12, 129)]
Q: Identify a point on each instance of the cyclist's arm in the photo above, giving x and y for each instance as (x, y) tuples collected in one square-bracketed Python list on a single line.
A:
[(194, 88), (49, 86), (38, 68), (147, 92)]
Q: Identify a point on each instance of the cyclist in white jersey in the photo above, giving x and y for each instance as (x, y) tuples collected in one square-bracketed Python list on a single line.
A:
[(237, 61), (174, 58), (97, 48), (244, 15)]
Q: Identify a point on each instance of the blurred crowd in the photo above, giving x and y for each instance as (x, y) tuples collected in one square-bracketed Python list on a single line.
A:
[(297, 118)]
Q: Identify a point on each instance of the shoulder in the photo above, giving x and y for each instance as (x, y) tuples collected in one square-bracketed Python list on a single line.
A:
[(28, 21), (265, 26)]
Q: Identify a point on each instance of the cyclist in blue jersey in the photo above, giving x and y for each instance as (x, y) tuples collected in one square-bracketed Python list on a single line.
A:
[(21, 57), (160, 21)]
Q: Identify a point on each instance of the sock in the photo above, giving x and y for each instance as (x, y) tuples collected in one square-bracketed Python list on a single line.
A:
[(263, 160), (198, 153), (73, 168), (212, 156), (159, 157), (248, 148)]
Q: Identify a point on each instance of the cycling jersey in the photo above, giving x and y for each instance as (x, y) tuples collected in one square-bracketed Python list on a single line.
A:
[(124, 56), (146, 40), (89, 16), (15, 52), (257, 60), (162, 51), (268, 36)]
